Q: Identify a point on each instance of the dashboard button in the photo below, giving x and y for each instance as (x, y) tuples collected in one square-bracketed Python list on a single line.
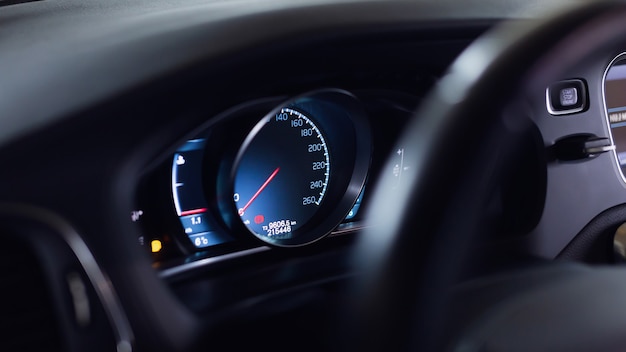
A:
[(569, 96), (566, 97)]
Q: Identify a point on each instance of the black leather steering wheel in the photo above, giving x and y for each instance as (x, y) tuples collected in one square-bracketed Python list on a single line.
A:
[(418, 244)]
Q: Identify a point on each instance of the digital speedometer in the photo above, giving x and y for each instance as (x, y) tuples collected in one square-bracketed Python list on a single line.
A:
[(282, 175)]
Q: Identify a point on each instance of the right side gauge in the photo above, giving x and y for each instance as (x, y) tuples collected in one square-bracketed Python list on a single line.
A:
[(301, 168), (615, 104)]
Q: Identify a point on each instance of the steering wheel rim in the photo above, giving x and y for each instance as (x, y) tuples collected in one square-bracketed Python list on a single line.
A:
[(412, 253)]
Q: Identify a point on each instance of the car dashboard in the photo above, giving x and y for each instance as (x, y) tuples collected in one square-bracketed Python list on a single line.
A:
[(198, 174), (285, 188)]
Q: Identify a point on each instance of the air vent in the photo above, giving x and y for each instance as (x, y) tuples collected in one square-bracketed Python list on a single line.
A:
[(27, 318), (47, 298)]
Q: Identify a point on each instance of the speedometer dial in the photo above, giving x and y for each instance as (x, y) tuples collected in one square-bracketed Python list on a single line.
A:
[(282, 176)]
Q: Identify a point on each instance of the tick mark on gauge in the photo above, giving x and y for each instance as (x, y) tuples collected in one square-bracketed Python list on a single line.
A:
[(193, 212)]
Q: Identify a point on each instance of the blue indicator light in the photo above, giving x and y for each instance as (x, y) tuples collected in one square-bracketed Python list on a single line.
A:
[(355, 209)]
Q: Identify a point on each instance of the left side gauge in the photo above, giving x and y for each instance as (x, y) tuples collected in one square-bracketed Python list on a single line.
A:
[(188, 196)]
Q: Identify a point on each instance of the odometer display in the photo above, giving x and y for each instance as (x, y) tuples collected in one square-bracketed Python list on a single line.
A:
[(281, 176)]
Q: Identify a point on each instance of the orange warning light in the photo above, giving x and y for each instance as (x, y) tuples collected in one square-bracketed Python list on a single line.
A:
[(156, 246)]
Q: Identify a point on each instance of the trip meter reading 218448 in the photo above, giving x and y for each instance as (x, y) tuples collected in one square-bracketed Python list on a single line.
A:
[(281, 175)]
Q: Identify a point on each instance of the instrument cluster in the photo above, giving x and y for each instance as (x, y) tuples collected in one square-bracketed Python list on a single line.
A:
[(274, 172)]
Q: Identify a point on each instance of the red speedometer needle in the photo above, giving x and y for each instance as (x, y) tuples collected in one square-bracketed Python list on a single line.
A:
[(267, 182)]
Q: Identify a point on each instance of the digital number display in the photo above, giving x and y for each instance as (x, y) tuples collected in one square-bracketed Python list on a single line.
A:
[(187, 194)]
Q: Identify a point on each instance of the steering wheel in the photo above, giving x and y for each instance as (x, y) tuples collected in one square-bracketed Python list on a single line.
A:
[(411, 297)]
